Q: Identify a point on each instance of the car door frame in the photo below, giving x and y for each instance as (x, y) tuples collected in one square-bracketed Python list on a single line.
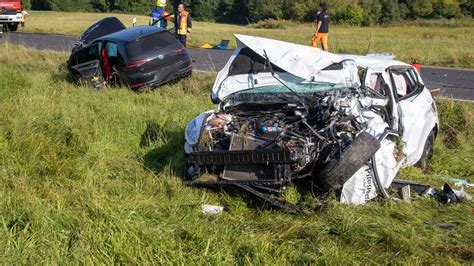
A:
[(84, 69), (421, 100), (390, 97)]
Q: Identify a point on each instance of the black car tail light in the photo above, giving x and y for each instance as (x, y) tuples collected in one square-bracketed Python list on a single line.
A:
[(178, 49)]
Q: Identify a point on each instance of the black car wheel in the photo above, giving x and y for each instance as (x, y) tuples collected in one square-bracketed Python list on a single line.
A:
[(427, 150), (116, 80), (338, 171), (13, 27), (191, 171)]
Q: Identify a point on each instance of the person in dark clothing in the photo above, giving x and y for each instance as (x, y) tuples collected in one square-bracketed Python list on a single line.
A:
[(322, 28), (185, 24)]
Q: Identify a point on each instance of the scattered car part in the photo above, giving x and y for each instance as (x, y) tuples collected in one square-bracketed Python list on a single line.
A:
[(212, 209), (447, 195), (458, 182), (406, 193), (138, 57), (424, 190)]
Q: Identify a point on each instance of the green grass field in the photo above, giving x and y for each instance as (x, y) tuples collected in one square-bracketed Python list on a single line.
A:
[(442, 43), (94, 177)]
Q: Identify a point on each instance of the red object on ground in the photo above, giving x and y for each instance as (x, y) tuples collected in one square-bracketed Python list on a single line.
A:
[(417, 66)]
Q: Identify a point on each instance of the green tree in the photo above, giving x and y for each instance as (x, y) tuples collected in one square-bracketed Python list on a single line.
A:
[(264, 9), (203, 9), (390, 11), (421, 8), (467, 7), (446, 9), (372, 11), (351, 14)]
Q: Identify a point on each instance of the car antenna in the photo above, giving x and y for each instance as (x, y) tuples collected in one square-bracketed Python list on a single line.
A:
[(283, 83)]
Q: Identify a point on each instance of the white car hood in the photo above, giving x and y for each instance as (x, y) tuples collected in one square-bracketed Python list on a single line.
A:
[(303, 63), (299, 60)]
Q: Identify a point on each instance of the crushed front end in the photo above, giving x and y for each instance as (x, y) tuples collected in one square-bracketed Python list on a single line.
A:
[(269, 139)]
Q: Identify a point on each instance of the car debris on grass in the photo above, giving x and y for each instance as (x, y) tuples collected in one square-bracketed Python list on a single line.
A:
[(290, 113)]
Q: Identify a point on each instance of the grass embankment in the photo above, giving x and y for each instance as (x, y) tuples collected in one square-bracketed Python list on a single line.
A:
[(94, 177), (442, 43)]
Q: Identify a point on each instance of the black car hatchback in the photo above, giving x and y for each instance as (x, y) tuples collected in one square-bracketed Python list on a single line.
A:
[(139, 57)]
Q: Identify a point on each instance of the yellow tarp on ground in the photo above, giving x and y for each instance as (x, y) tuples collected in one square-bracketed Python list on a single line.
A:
[(206, 46)]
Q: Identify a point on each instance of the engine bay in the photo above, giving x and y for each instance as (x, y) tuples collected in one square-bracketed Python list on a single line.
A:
[(313, 132)]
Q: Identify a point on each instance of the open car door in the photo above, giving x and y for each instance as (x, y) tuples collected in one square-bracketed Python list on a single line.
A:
[(416, 108), (86, 66)]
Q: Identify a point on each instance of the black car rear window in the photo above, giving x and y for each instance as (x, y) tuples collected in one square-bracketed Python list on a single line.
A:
[(150, 43)]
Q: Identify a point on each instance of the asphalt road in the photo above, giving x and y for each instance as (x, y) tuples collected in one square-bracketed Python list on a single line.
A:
[(453, 83)]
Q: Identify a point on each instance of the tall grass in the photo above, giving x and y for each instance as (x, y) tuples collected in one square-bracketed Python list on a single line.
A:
[(94, 177), (442, 43)]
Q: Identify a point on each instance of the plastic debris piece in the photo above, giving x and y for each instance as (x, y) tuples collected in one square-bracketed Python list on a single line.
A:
[(457, 181), (447, 195), (430, 192), (462, 194), (447, 227), (212, 209), (406, 193)]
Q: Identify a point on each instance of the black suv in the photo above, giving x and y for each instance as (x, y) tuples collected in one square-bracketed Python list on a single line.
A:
[(139, 57)]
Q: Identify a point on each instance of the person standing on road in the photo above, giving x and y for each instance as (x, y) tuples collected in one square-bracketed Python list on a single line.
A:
[(185, 24), (322, 28)]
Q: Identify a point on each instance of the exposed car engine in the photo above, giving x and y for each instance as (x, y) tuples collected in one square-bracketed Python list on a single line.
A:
[(313, 133)]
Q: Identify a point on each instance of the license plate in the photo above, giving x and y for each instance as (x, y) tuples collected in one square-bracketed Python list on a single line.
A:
[(3, 17)]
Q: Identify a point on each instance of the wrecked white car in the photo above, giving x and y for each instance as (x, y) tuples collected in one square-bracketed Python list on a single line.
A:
[(291, 113)]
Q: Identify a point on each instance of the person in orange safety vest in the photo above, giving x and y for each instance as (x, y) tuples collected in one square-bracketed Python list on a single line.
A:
[(185, 24)]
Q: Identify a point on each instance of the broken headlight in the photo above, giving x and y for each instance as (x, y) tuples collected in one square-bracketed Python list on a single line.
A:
[(192, 132)]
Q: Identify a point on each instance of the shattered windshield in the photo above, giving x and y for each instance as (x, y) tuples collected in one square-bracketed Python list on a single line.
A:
[(279, 93)]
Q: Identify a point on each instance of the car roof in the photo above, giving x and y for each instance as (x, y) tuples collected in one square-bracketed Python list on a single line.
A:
[(131, 34)]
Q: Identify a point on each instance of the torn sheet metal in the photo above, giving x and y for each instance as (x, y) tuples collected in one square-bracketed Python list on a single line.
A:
[(362, 186)]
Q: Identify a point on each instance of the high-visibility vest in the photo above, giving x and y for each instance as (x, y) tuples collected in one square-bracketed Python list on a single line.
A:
[(183, 23)]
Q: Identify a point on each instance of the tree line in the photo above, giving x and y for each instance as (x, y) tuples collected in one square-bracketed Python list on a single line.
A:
[(352, 12)]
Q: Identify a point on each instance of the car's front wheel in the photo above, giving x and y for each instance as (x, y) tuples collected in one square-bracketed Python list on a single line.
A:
[(13, 27), (338, 171), (190, 171)]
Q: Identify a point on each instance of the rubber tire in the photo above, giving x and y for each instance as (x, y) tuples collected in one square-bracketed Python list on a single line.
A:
[(13, 27), (187, 176), (338, 171), (427, 150)]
